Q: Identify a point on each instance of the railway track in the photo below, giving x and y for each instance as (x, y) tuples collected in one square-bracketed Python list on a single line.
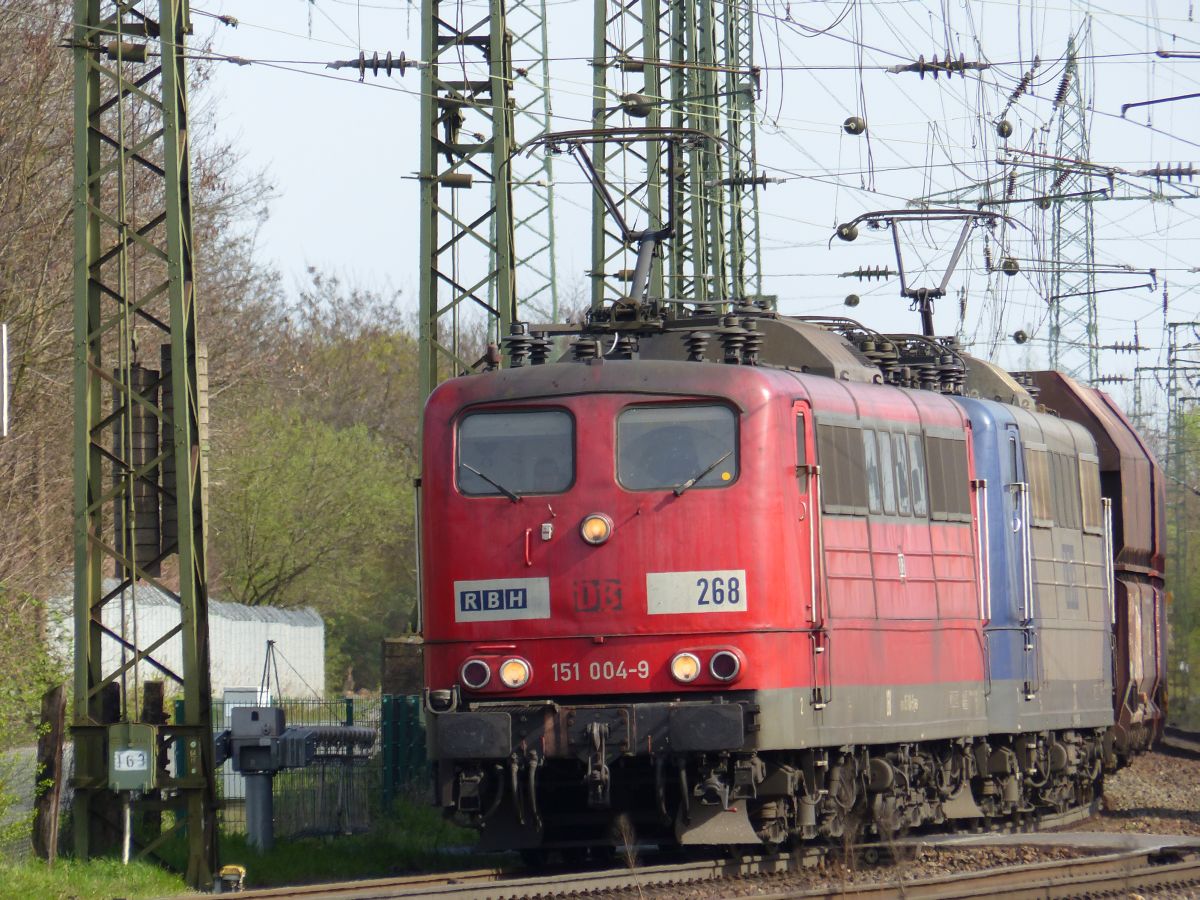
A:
[(1182, 741), (499, 884), (1166, 873), (1116, 874)]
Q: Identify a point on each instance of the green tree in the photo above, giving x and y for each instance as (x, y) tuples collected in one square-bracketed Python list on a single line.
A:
[(1183, 570), (309, 514)]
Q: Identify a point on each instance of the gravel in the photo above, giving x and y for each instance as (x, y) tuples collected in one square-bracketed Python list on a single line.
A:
[(1159, 793)]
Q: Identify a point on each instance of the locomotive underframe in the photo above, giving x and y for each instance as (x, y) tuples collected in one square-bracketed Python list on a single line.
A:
[(688, 772)]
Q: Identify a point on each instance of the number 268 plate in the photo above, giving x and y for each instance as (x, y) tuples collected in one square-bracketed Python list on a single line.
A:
[(673, 593)]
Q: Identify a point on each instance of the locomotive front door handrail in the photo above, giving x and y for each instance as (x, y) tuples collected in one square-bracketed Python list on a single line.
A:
[(981, 548), (1110, 576)]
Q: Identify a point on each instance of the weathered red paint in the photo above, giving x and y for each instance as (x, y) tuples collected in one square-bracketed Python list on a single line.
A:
[(879, 628)]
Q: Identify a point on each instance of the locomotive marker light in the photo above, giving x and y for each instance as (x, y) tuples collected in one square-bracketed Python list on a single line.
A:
[(596, 528), (685, 667), (476, 673), (724, 665), (515, 672)]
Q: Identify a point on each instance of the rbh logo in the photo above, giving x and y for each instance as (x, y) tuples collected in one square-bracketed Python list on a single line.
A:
[(501, 599), (493, 600)]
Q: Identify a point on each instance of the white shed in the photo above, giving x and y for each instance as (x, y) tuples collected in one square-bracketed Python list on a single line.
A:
[(238, 638)]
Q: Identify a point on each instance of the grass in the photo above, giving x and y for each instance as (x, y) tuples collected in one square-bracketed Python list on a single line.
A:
[(100, 879), (415, 838)]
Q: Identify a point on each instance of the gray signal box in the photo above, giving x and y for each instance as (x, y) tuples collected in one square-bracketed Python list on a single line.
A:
[(132, 756)]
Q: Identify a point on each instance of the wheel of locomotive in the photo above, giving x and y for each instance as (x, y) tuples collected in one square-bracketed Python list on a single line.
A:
[(534, 857), (769, 818), (840, 819), (604, 854), (574, 856)]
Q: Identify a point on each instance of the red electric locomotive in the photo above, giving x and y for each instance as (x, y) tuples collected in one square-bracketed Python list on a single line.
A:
[(725, 583)]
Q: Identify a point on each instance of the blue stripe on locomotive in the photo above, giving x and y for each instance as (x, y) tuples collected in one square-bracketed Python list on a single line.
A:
[(1022, 696), (993, 429)]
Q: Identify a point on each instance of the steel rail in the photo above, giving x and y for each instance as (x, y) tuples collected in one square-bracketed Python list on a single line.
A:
[(378, 887), (1182, 741), (1060, 878), (497, 885)]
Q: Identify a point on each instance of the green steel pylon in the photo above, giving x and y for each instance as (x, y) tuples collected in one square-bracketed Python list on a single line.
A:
[(138, 429), (629, 87), (468, 269), (687, 64), (1074, 339), (533, 175)]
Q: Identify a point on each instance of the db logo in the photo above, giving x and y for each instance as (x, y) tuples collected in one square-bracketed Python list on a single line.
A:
[(598, 595)]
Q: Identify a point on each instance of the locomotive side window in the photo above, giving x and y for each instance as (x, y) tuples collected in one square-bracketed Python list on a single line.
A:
[(666, 447), (886, 470), (1089, 477), (843, 469), (1037, 469), (916, 466), (1066, 493), (949, 494), (901, 474), (514, 453), (874, 497)]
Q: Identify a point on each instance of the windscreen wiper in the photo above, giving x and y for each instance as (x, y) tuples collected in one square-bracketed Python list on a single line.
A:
[(497, 485), (691, 481)]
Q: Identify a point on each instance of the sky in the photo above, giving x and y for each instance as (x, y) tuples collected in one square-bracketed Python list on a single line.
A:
[(342, 154)]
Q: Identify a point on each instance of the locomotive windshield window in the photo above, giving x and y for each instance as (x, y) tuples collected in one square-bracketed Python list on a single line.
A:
[(514, 453), (668, 446)]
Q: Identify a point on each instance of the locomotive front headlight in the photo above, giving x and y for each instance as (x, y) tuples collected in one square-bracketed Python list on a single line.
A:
[(685, 667), (475, 673), (596, 528), (514, 673)]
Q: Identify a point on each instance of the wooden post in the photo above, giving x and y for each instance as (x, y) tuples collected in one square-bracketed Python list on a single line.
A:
[(49, 773)]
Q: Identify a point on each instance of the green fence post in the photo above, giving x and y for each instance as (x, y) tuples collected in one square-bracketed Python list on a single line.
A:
[(389, 751), (405, 737), (420, 763)]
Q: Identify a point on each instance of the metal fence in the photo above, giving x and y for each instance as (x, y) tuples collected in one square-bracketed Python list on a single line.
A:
[(342, 794), (402, 746), (335, 796)]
